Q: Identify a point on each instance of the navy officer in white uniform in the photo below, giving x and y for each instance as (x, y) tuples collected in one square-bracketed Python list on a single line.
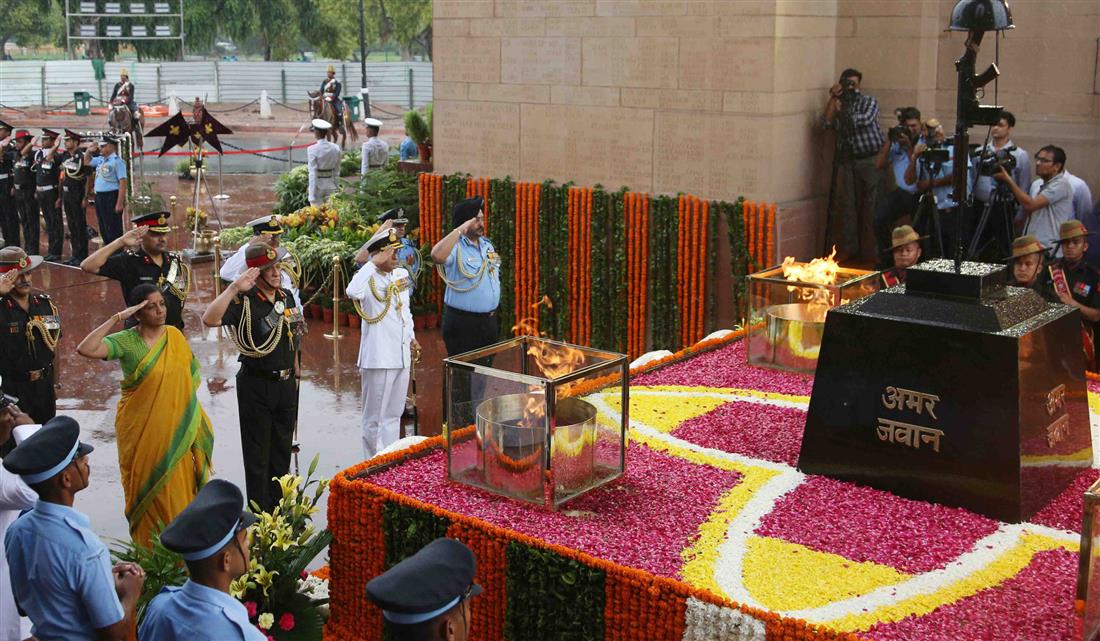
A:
[(386, 345)]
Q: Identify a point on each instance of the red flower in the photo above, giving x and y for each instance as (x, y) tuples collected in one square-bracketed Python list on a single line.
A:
[(286, 622), (251, 607)]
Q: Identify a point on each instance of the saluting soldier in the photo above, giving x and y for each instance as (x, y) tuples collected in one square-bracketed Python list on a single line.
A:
[(266, 230), (264, 325), (408, 255), (24, 179), (74, 185), (61, 572), (111, 184), (471, 270), (9, 215), (211, 536), (376, 152), (141, 256), (29, 329), (47, 170), (323, 160), (387, 346)]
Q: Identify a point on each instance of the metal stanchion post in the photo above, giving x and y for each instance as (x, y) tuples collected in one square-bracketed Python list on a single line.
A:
[(221, 195), (335, 335), (217, 266)]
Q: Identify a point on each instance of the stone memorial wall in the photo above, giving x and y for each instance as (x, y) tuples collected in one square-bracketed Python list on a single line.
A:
[(722, 98)]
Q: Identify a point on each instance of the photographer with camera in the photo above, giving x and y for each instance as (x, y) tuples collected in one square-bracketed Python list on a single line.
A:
[(1044, 213), (997, 233), (854, 116), (930, 170), (902, 201)]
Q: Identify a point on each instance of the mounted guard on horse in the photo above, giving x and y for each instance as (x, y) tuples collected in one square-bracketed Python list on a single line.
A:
[(123, 115), (327, 105)]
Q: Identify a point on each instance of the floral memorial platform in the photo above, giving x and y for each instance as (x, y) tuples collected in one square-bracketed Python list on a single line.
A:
[(712, 533)]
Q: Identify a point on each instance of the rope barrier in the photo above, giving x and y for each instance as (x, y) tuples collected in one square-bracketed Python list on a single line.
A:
[(225, 111), (261, 154), (239, 151), (279, 102), (3, 106)]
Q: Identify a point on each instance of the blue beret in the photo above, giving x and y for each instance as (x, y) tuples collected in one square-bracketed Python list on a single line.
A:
[(48, 451), (427, 584), (209, 522), (465, 210)]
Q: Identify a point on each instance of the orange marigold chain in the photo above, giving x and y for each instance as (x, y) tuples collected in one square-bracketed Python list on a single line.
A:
[(638, 606), (679, 260), (771, 234), (632, 596)]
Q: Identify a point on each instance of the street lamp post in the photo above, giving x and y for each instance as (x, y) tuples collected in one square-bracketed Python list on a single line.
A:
[(364, 93)]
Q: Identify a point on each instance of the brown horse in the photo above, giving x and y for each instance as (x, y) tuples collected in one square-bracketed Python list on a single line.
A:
[(321, 107), (120, 121)]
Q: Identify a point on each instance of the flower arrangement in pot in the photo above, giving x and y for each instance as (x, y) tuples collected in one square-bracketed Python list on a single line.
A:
[(282, 600)]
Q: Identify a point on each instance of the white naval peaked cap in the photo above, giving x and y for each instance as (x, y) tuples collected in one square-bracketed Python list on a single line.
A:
[(23, 432), (317, 123), (372, 122)]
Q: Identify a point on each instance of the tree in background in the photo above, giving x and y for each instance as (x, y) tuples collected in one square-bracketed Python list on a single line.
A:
[(30, 23), (277, 29)]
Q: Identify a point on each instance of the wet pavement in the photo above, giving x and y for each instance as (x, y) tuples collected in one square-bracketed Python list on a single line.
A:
[(329, 406)]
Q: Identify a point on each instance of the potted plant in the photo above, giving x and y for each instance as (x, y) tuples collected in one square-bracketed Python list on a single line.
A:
[(326, 309), (416, 126), (277, 592), (348, 315)]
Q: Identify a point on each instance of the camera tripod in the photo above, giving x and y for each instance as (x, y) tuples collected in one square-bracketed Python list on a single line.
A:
[(1002, 202), (842, 154), (928, 208)]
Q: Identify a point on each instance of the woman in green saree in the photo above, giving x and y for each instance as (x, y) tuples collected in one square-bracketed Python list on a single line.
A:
[(164, 436)]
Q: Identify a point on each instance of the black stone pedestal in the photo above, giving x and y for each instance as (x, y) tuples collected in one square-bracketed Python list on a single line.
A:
[(953, 389)]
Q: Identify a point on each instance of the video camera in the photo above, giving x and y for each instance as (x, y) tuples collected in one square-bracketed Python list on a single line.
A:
[(990, 162), (900, 131)]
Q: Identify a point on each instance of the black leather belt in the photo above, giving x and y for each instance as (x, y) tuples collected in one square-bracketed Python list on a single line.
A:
[(39, 374), (276, 375), (462, 312)]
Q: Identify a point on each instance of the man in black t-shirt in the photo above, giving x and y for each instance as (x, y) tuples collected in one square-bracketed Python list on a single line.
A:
[(141, 256), (265, 325)]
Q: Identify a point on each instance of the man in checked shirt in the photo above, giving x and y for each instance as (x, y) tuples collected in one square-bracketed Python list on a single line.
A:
[(854, 116)]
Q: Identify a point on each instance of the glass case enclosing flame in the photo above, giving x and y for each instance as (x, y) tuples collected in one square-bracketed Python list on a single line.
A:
[(522, 419), (787, 308)]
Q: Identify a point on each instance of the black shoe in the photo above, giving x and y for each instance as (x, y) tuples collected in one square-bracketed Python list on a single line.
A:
[(74, 261), (51, 258)]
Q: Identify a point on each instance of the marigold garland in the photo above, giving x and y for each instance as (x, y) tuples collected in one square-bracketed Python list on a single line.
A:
[(631, 280), (637, 605)]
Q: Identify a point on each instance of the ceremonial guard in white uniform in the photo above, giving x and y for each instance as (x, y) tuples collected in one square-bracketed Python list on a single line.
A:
[(324, 164), (381, 292), (268, 231), (375, 151)]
